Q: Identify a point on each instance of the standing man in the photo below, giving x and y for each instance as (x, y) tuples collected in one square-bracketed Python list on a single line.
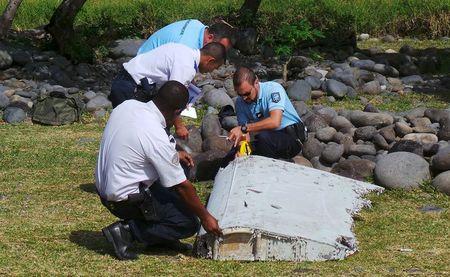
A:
[(265, 109), (142, 75), (139, 177), (191, 33)]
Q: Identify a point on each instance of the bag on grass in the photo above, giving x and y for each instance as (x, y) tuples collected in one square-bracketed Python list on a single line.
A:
[(57, 108)]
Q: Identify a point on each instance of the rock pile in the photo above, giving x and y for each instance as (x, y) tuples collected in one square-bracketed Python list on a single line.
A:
[(397, 150)]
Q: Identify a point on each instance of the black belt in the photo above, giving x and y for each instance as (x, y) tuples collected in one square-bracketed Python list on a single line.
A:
[(144, 91), (297, 131), (143, 200)]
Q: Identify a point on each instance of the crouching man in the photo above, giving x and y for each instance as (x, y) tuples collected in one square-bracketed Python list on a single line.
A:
[(140, 180), (264, 109)]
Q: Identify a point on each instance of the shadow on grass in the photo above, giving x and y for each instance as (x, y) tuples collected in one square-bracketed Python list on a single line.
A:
[(91, 240), (95, 241), (90, 188)]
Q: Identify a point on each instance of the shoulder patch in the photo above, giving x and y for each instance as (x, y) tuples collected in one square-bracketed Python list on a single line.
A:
[(275, 97), (175, 158)]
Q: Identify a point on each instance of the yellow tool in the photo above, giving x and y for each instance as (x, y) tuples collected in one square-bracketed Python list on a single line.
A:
[(244, 149)]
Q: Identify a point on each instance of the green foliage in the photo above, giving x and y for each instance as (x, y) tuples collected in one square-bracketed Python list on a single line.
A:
[(289, 36)]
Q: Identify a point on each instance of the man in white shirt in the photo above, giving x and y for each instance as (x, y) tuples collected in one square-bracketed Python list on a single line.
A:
[(143, 74), (139, 177)]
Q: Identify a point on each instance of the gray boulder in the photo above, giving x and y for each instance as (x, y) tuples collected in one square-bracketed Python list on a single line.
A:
[(316, 94), (422, 125), (365, 133), (407, 146), (355, 168), (97, 103), (5, 60), (206, 165), (300, 107), (317, 164), (362, 149), (229, 87), (4, 101), (326, 134), (314, 82), (216, 143), (388, 133), (126, 47), (336, 88), (194, 142), (402, 170), (359, 119), (412, 80), (217, 98), (211, 126), (300, 160), (372, 87), (340, 122), (300, 90), (402, 129), (229, 122), (363, 64), (332, 153), (421, 138), (21, 57), (436, 115), (444, 132), (312, 148), (441, 161), (315, 122), (246, 41), (380, 141), (14, 115), (442, 182)]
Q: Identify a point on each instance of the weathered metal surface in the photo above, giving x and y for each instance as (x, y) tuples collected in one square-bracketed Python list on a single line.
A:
[(274, 210)]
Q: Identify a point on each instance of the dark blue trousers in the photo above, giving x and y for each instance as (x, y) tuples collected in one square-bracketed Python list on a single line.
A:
[(276, 144), (174, 220)]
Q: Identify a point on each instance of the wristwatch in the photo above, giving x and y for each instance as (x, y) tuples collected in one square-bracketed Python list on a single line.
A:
[(244, 129)]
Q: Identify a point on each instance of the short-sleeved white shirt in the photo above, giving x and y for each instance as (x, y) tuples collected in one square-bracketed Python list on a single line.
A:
[(135, 148), (171, 61)]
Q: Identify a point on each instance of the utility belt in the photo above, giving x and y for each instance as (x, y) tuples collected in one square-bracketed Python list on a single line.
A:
[(298, 131), (144, 91), (142, 201)]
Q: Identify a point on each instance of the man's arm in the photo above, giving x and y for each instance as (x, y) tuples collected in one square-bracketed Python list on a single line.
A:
[(180, 129), (270, 123), (187, 193)]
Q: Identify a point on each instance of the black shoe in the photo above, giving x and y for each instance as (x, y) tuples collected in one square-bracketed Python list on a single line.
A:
[(119, 235)]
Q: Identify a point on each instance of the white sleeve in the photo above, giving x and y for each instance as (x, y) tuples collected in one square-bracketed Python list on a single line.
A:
[(164, 157), (182, 73)]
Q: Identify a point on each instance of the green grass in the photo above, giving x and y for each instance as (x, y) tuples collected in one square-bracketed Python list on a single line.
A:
[(50, 219)]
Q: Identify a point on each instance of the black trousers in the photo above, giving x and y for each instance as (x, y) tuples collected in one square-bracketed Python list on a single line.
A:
[(173, 220), (276, 144), (123, 87)]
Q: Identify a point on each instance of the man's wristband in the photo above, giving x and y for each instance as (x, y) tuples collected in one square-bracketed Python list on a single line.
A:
[(244, 129)]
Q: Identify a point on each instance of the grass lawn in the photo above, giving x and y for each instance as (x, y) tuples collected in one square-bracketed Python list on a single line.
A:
[(50, 220)]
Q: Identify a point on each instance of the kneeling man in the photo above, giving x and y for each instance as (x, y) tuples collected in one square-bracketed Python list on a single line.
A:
[(263, 108), (139, 177)]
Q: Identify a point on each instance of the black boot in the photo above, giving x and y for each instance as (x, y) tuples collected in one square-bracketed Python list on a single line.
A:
[(119, 235)]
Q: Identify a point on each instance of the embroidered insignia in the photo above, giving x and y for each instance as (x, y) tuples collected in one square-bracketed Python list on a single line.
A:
[(175, 159), (275, 97)]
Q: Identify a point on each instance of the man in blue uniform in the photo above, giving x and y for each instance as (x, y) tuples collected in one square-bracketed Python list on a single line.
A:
[(191, 33), (265, 109)]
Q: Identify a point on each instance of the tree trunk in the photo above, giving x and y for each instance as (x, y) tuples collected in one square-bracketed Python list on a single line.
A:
[(8, 16), (61, 23), (250, 7)]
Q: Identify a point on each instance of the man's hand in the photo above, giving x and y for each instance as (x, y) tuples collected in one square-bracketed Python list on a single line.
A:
[(236, 135), (185, 158), (211, 225), (182, 132)]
